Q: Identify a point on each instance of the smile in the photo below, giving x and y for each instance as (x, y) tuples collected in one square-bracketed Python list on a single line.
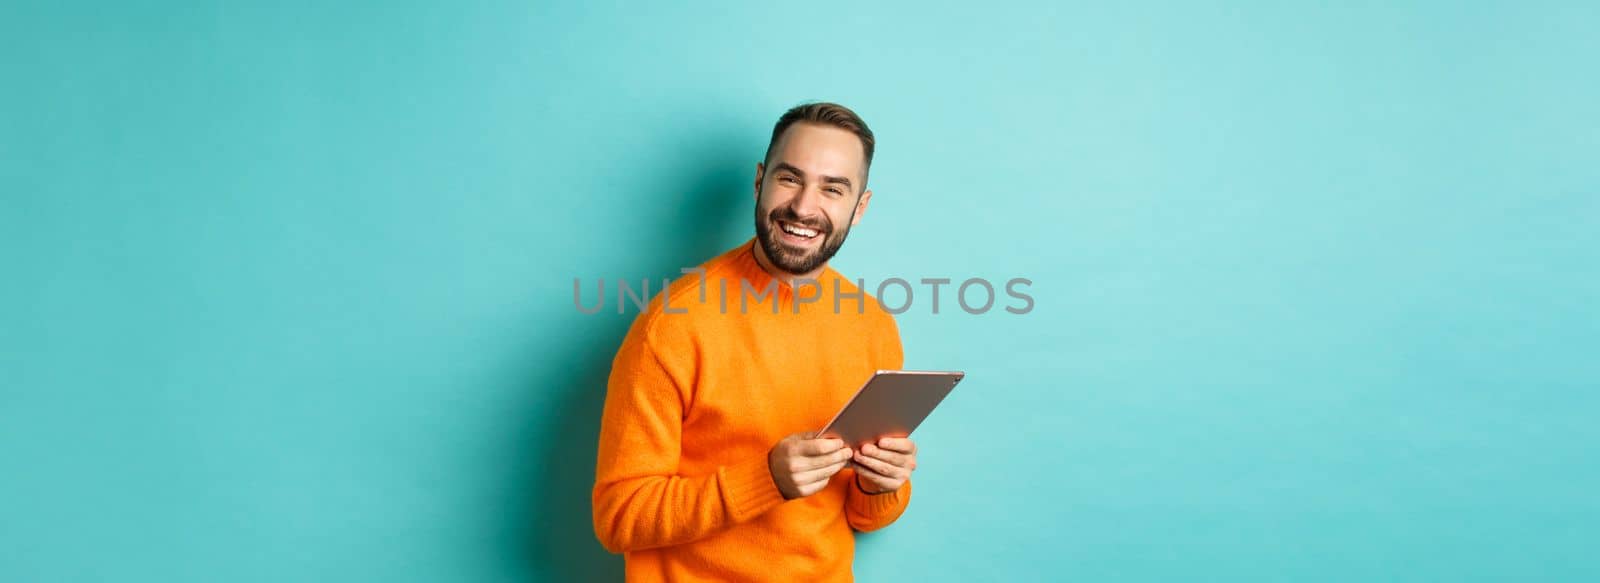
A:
[(798, 231)]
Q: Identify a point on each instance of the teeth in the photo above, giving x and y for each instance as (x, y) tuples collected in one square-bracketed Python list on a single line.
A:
[(801, 231)]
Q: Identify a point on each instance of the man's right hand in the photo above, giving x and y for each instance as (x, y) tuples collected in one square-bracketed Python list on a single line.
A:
[(803, 463)]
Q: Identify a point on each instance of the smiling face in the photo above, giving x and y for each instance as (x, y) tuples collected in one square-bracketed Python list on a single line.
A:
[(808, 194)]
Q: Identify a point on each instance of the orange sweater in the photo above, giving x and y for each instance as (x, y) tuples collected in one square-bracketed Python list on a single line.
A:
[(697, 399)]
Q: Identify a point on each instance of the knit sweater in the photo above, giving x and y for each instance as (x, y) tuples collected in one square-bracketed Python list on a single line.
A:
[(701, 389)]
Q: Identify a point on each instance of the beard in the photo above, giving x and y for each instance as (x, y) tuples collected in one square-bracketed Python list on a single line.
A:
[(797, 260)]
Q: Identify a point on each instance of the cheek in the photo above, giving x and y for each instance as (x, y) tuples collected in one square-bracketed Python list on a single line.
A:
[(840, 217), (772, 197)]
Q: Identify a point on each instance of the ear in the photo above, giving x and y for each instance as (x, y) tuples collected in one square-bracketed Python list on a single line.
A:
[(861, 207), (761, 170)]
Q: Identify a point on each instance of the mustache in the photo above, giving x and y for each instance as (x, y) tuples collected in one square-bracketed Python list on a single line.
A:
[(787, 215)]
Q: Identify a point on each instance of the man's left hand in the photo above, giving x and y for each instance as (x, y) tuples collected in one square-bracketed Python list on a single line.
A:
[(886, 465)]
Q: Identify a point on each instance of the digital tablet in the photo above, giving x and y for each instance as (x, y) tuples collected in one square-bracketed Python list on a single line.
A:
[(890, 404)]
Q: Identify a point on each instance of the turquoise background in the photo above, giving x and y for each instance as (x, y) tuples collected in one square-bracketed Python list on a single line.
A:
[(287, 286)]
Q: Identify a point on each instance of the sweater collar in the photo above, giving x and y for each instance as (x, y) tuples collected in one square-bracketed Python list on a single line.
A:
[(746, 267)]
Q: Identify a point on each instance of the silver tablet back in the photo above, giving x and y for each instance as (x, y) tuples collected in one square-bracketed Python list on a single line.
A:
[(891, 403)]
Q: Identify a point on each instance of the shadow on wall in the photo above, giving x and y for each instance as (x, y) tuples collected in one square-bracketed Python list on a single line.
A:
[(707, 213)]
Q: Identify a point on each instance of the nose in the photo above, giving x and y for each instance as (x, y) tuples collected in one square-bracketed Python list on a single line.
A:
[(807, 203)]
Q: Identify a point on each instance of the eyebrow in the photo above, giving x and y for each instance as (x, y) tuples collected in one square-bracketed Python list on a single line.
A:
[(782, 166)]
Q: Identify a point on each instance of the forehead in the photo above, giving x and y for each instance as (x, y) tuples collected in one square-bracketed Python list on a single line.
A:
[(820, 149)]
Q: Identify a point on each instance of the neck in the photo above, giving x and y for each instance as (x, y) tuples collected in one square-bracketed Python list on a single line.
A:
[(779, 274)]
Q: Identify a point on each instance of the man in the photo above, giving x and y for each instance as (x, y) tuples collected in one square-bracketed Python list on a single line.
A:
[(709, 468)]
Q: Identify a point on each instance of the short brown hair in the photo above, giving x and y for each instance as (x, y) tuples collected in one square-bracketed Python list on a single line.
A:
[(829, 114)]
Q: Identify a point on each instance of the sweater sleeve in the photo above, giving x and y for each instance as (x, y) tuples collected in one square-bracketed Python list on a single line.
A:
[(867, 512), (639, 500)]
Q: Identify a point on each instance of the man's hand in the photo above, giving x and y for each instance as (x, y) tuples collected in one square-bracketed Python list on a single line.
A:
[(802, 463), (885, 466)]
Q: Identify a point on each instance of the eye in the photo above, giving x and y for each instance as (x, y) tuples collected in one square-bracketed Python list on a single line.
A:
[(836, 192), (788, 180)]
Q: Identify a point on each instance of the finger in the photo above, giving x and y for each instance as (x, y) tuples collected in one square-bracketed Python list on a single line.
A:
[(819, 474), (881, 467), (898, 444), (898, 459), (814, 447), (873, 476), (875, 479), (802, 464)]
